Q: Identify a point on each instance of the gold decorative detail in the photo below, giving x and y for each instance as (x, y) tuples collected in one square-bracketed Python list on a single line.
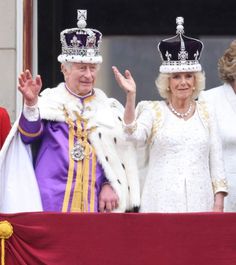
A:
[(156, 124), (203, 112), (6, 231), (23, 132), (220, 184), (80, 152)]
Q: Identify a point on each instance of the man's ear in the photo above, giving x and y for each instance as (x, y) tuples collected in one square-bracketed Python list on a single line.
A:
[(63, 69)]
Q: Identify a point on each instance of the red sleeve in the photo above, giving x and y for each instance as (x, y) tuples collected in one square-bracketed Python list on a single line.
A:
[(5, 125)]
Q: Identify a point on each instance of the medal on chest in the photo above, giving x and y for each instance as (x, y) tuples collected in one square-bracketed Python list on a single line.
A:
[(79, 132), (78, 152)]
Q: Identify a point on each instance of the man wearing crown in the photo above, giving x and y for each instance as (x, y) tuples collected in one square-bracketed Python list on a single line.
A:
[(82, 163)]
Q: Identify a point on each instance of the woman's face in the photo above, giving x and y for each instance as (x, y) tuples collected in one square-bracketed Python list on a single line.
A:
[(182, 85)]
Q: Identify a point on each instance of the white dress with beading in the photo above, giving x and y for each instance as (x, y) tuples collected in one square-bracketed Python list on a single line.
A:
[(185, 167)]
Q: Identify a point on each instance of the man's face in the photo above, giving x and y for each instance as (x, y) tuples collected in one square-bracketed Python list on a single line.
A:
[(80, 77)]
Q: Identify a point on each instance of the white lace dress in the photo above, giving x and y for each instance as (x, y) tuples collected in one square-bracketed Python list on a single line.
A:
[(185, 165)]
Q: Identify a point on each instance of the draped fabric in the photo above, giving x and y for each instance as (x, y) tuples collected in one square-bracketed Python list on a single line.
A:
[(121, 239)]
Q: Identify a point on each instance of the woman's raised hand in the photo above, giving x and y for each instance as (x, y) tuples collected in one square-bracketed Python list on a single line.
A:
[(126, 81), (29, 87)]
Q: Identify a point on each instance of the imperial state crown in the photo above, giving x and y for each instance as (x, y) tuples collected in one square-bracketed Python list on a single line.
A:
[(81, 44)]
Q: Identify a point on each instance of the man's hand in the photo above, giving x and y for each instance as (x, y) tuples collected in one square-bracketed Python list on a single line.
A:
[(108, 199), (29, 87)]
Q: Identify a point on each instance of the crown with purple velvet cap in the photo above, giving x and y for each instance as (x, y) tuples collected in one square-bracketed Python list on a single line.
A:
[(81, 44), (180, 53)]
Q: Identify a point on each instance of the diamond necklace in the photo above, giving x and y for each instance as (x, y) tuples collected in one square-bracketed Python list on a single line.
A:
[(181, 115)]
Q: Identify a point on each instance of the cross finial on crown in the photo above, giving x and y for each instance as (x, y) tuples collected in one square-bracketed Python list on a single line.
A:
[(82, 17), (180, 27)]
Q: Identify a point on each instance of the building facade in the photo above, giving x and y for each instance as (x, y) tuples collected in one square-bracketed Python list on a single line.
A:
[(131, 31)]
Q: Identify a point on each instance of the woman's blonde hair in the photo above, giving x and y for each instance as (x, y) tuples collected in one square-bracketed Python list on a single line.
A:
[(162, 84), (227, 64)]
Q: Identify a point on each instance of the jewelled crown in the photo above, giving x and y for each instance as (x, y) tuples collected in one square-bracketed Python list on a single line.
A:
[(180, 53), (81, 45)]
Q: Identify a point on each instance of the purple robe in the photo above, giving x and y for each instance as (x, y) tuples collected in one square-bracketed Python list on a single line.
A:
[(62, 181)]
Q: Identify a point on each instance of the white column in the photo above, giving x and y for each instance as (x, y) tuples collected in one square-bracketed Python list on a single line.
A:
[(19, 47)]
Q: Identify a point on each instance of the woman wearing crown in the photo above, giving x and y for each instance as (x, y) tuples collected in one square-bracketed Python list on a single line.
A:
[(184, 167)]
